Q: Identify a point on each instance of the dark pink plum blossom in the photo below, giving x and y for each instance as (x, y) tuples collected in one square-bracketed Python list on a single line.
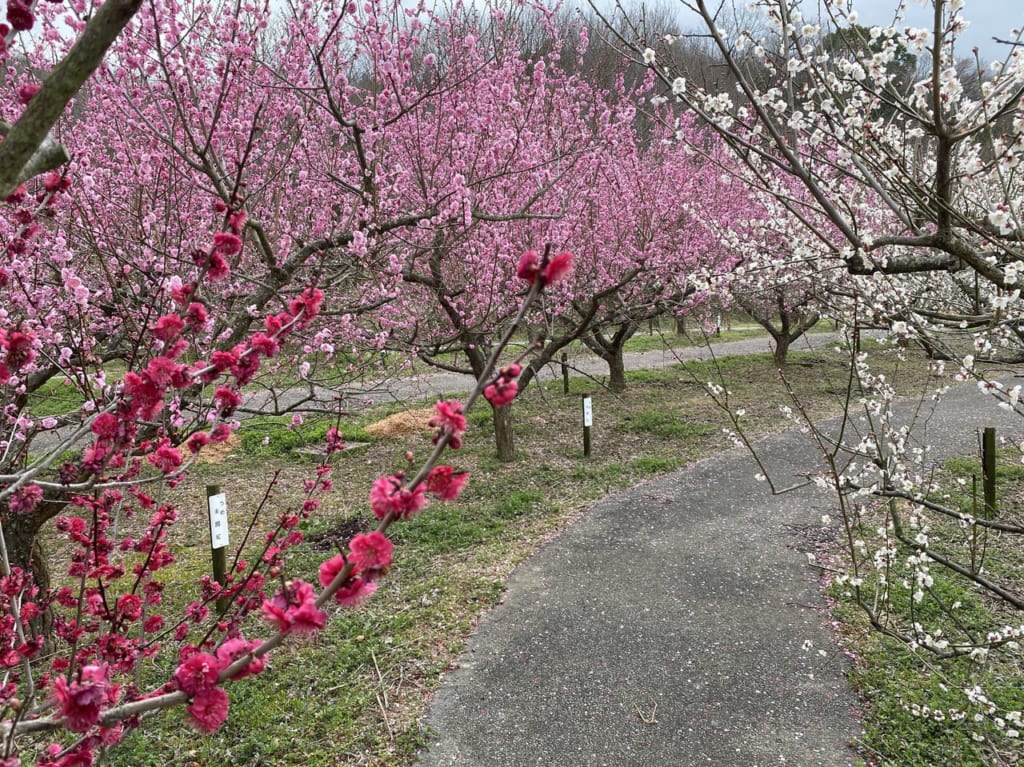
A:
[(446, 483), (307, 306), (449, 419), (26, 92), (354, 592), (209, 709), (557, 268), (370, 553), (265, 345), (196, 315), (197, 442), (226, 399), (501, 392), (227, 243), (19, 14), (236, 648), (293, 609), (529, 266), (330, 568), (389, 496), (198, 673), (217, 268), (166, 458), (129, 606), (25, 499), (168, 327), (80, 701)]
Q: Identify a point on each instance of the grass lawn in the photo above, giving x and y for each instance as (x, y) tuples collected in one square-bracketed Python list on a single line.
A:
[(355, 694)]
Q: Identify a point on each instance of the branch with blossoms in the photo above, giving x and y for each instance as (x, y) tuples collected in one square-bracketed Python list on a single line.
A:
[(84, 695)]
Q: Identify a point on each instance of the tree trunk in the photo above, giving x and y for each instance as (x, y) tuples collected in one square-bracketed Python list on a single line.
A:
[(781, 349), (503, 435), (616, 370), (25, 550)]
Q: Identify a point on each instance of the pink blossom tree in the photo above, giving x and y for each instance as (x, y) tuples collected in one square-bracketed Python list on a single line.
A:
[(227, 186), (652, 238)]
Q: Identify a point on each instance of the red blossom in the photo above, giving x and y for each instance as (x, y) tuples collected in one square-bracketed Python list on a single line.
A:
[(307, 306), (220, 433), (196, 315), (265, 345), (501, 392), (18, 347), (370, 553), (236, 648), (227, 243), (129, 606), (246, 366), (80, 701), (293, 609), (354, 592), (26, 92), (389, 496), (446, 483), (146, 398), (209, 709), (329, 569), (168, 327), (217, 267), (105, 426), (237, 220), (166, 458), (197, 674), (164, 372), (19, 14), (275, 323), (557, 268), (223, 360), (449, 419), (529, 266), (227, 400), (181, 294), (197, 442)]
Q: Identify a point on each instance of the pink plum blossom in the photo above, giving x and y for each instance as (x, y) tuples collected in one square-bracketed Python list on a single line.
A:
[(389, 496)]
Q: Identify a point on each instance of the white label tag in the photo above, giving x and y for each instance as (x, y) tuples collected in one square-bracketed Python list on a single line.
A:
[(218, 521), (588, 412)]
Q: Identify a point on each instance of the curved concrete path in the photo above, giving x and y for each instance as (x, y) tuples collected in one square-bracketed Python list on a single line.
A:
[(435, 383), (666, 628)]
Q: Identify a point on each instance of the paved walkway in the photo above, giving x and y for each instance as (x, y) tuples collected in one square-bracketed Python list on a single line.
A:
[(434, 383), (666, 628)]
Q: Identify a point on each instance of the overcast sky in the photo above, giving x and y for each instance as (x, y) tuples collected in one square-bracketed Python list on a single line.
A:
[(989, 18)]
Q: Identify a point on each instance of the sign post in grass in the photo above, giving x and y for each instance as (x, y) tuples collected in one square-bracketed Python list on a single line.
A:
[(588, 421), (217, 504), (988, 470)]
